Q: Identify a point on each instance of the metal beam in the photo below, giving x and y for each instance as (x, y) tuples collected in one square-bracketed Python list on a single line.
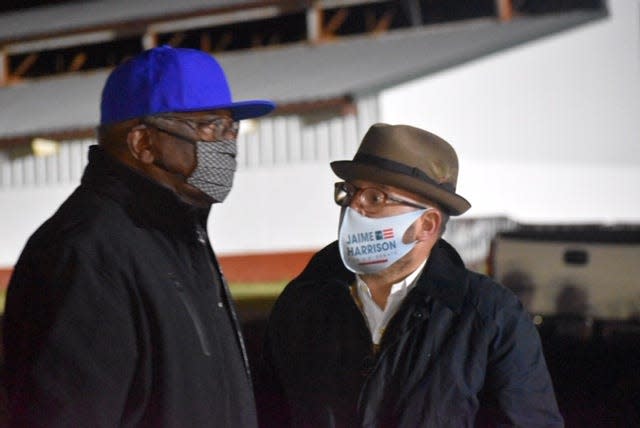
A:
[(215, 20), (61, 42), (314, 16)]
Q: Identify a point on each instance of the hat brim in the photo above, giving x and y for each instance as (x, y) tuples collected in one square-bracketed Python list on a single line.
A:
[(453, 203), (241, 109)]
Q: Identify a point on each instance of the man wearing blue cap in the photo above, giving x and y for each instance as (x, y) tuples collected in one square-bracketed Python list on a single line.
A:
[(117, 313)]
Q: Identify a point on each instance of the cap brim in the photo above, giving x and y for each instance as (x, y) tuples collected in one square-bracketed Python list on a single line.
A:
[(241, 109), (350, 170), (249, 109)]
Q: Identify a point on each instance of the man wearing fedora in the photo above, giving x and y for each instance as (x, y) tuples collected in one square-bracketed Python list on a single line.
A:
[(386, 327), (117, 312)]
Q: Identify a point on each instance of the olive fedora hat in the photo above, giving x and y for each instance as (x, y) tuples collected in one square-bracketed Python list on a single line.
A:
[(410, 159)]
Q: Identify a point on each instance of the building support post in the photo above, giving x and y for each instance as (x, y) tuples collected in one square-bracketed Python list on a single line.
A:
[(504, 10), (314, 23)]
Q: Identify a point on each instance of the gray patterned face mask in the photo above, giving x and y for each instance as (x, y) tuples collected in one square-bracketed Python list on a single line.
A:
[(215, 168)]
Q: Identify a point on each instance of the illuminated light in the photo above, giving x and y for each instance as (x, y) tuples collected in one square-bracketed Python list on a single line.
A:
[(248, 126), (41, 147)]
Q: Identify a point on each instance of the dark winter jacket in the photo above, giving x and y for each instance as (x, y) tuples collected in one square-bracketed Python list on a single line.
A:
[(117, 314), (459, 343)]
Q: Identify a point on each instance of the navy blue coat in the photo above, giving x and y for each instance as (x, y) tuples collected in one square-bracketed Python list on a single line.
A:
[(460, 343), (117, 314)]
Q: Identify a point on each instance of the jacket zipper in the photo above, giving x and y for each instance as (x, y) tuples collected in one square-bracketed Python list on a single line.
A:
[(203, 239), (195, 319)]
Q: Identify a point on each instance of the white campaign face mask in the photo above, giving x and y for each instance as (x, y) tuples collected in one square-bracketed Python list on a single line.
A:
[(370, 245), (215, 169)]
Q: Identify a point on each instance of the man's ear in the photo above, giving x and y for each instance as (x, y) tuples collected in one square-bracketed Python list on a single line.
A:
[(429, 225), (140, 145)]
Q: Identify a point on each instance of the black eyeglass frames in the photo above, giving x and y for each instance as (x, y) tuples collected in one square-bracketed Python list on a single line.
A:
[(372, 198), (218, 128)]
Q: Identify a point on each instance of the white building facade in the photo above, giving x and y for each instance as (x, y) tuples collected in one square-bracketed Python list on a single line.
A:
[(546, 132)]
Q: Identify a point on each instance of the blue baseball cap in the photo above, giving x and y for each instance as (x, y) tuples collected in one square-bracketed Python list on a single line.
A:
[(170, 80)]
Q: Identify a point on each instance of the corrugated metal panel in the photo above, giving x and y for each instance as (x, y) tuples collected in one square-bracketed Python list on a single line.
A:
[(275, 141), (291, 139), (29, 171), (368, 114)]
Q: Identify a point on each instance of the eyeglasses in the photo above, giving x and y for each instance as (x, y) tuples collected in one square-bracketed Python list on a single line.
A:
[(222, 127), (218, 128), (372, 198)]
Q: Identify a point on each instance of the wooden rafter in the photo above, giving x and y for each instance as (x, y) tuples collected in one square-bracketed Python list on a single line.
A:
[(25, 65), (4, 68), (77, 62), (334, 23), (384, 23)]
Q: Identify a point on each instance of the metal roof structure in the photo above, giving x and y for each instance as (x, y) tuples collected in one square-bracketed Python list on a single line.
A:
[(292, 75), (78, 16)]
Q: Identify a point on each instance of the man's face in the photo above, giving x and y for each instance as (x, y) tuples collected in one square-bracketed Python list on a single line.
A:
[(173, 138)]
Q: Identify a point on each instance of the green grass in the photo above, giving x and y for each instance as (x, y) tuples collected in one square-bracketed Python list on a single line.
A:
[(253, 290)]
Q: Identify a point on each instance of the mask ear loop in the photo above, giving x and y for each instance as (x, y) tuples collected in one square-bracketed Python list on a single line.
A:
[(155, 122), (411, 230), (150, 121), (343, 211)]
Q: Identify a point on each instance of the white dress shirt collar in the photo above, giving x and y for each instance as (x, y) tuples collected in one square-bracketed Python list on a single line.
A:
[(377, 318)]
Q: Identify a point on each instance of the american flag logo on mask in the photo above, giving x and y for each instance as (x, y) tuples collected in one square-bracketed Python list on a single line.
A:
[(384, 234)]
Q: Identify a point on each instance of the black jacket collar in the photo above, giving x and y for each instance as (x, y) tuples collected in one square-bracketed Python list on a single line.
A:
[(444, 277), (148, 202)]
